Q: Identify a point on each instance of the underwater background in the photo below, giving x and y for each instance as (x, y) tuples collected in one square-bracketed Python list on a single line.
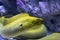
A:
[(49, 10)]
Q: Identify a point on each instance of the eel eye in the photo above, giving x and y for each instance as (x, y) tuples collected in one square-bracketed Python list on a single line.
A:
[(21, 25)]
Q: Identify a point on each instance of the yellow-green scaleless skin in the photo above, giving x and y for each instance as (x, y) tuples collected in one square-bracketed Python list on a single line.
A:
[(37, 31), (2, 19), (11, 19), (54, 36), (20, 26)]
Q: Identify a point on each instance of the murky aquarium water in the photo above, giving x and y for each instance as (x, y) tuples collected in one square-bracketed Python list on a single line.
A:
[(29, 19)]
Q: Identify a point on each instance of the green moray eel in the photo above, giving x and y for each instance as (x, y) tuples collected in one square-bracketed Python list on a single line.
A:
[(53, 36), (27, 26), (2, 19), (11, 19), (37, 31)]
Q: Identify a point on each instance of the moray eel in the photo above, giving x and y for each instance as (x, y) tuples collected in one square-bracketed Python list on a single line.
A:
[(53, 36), (23, 25)]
